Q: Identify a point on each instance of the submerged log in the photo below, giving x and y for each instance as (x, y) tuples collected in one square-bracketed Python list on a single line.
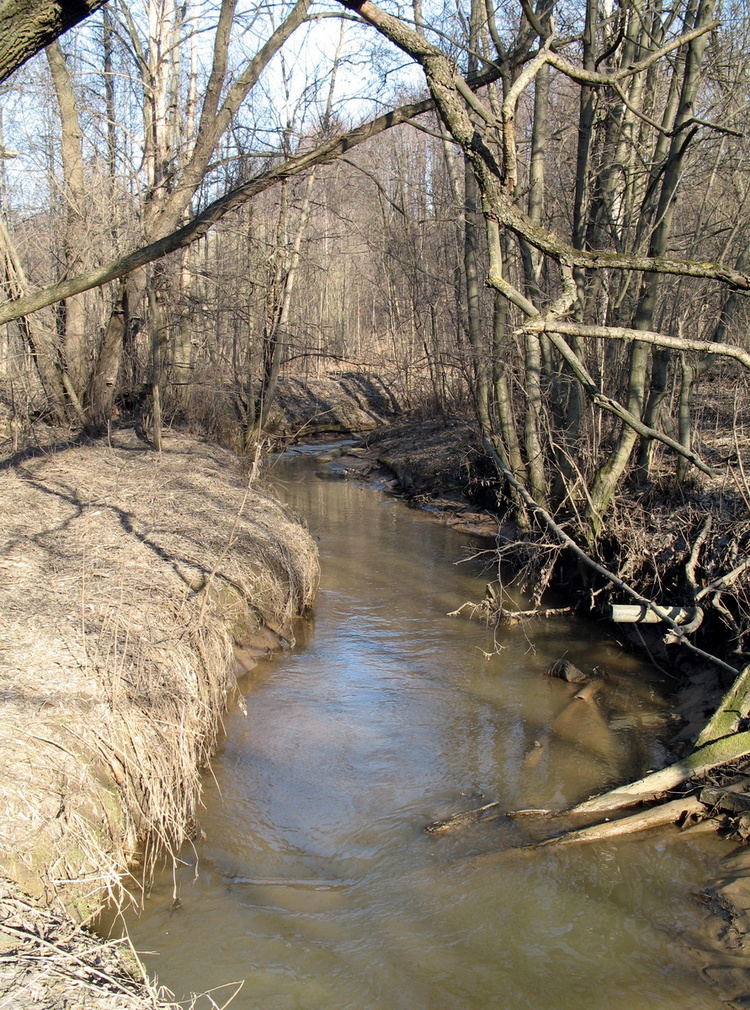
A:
[(655, 785), (589, 691), (674, 812), (719, 744), (563, 669), (464, 818)]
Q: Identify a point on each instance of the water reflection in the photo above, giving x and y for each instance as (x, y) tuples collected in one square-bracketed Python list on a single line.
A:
[(316, 885)]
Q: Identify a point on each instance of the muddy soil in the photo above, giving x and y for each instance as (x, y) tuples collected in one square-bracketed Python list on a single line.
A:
[(437, 466)]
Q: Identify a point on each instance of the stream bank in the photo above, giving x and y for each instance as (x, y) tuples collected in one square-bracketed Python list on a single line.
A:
[(138, 497), (672, 544), (317, 884), (128, 579)]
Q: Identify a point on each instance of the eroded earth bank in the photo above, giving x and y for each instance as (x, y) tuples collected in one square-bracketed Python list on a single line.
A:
[(135, 585)]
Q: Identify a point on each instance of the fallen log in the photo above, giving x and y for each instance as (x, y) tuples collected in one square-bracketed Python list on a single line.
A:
[(718, 744), (666, 813), (653, 786)]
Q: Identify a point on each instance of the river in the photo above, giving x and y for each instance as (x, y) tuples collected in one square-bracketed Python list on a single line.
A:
[(315, 885)]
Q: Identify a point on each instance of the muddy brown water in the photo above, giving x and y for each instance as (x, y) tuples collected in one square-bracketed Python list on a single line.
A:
[(315, 885)]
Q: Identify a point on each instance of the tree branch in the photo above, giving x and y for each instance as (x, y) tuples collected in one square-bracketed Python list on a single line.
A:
[(545, 325), (26, 28), (214, 212)]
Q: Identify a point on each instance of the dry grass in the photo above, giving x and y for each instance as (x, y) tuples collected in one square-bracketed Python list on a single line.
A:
[(125, 580), (47, 962)]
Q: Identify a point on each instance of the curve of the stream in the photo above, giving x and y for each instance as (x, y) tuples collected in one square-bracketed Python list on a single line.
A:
[(315, 886)]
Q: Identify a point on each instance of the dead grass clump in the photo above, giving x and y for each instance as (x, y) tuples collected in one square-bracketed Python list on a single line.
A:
[(48, 962), (127, 578)]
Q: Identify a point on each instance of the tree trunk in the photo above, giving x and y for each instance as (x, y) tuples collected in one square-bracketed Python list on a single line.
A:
[(610, 474), (40, 339), (73, 335), (26, 28)]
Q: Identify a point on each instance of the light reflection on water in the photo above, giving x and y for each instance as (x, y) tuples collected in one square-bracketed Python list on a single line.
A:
[(316, 885)]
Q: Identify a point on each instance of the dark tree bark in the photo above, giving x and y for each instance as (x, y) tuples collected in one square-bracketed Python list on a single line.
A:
[(25, 27)]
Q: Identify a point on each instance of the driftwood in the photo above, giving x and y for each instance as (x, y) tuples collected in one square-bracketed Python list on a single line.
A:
[(464, 819), (673, 812)]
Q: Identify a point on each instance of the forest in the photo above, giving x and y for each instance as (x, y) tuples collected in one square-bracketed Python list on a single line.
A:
[(529, 217)]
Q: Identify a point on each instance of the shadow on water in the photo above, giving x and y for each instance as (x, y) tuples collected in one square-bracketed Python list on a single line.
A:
[(315, 883)]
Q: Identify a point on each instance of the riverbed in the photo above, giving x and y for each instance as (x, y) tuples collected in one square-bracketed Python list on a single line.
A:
[(314, 885)]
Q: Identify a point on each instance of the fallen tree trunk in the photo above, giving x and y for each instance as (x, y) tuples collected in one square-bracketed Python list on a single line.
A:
[(719, 743), (666, 813), (655, 785)]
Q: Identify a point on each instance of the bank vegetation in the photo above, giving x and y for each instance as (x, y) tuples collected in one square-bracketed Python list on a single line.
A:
[(135, 587)]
